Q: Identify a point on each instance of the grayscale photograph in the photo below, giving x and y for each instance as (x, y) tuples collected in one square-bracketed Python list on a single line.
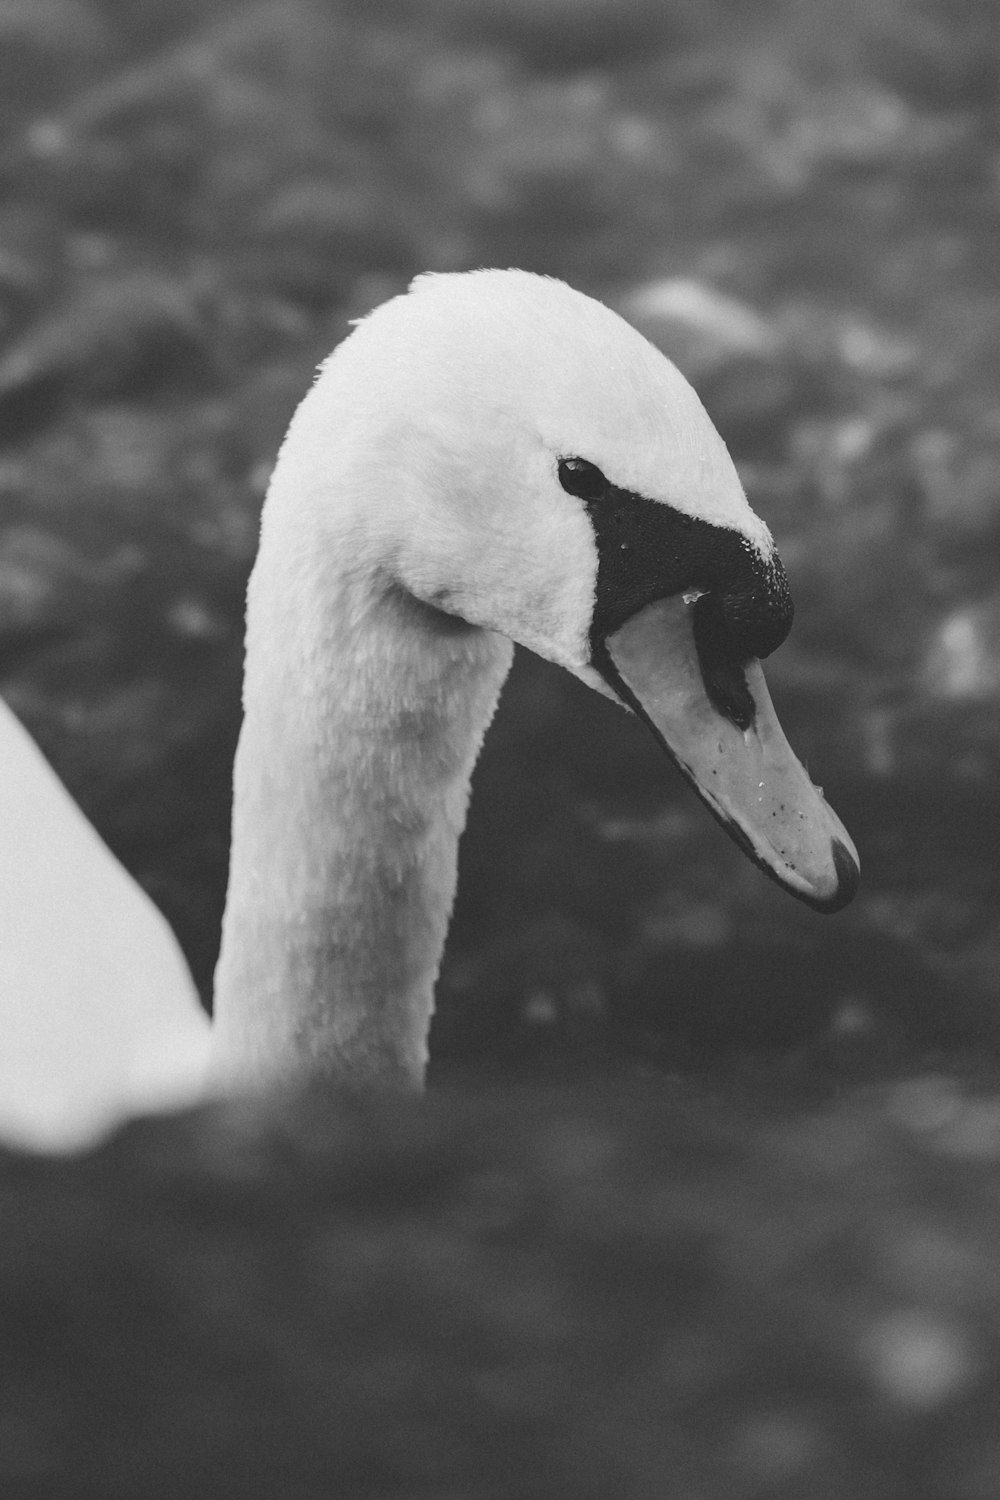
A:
[(500, 749)]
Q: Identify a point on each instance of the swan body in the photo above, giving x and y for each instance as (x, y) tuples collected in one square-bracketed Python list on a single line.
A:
[(487, 459), (98, 1013)]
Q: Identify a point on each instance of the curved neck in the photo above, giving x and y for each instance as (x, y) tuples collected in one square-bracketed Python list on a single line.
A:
[(364, 714)]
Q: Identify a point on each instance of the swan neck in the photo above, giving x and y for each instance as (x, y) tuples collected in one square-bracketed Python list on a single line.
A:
[(364, 714)]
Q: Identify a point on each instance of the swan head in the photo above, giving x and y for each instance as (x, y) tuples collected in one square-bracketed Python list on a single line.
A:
[(519, 457)]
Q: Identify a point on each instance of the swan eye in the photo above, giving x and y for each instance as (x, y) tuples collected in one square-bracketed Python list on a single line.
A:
[(582, 478)]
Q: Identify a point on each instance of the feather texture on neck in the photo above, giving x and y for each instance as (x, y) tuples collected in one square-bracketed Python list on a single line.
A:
[(365, 710)]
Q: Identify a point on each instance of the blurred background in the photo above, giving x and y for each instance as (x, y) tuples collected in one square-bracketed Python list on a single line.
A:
[(798, 201)]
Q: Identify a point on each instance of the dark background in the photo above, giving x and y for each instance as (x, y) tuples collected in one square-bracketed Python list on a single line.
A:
[(195, 198)]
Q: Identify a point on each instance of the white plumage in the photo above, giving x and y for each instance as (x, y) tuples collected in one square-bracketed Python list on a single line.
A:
[(416, 525), (98, 1013)]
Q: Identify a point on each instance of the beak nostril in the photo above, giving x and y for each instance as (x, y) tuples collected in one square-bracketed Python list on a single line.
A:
[(745, 616), (726, 686), (722, 663)]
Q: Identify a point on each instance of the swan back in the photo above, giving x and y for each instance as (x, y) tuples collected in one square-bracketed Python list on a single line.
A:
[(98, 1013)]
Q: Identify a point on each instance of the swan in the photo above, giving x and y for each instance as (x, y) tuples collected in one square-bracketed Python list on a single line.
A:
[(489, 458)]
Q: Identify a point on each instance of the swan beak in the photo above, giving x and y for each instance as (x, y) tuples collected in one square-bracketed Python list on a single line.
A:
[(750, 779)]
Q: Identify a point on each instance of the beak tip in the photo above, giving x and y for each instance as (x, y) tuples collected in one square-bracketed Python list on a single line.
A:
[(848, 870)]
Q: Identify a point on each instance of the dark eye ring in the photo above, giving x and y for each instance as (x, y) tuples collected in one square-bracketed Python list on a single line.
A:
[(581, 478)]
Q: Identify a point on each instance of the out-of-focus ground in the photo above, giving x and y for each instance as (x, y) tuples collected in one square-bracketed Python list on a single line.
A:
[(529, 1295), (765, 1264)]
